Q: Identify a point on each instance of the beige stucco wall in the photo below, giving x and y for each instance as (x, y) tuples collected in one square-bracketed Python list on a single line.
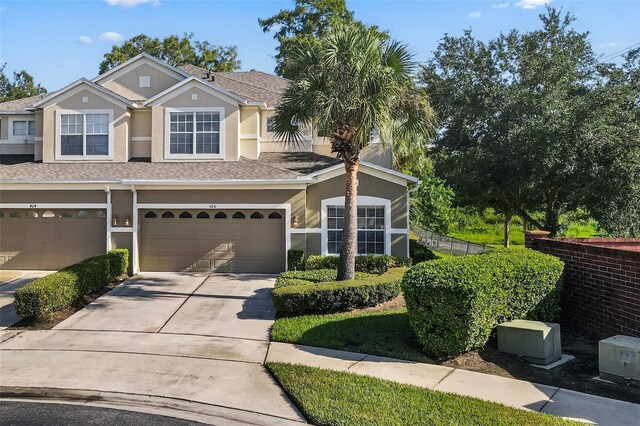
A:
[(128, 85), (122, 205), (367, 185), (140, 140), (121, 122), (20, 145), (34, 197), (249, 118), (324, 149), (183, 100)]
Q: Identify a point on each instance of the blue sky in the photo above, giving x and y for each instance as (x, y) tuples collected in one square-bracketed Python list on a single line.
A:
[(61, 41)]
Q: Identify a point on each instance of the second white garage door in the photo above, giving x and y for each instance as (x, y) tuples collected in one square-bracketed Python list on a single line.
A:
[(212, 240)]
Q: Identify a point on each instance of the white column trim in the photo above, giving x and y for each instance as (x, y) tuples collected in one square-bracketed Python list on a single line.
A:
[(134, 235), (363, 200), (109, 214)]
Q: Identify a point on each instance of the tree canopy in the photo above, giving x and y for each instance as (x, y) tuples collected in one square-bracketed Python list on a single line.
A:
[(302, 26), (22, 85), (533, 122), (176, 51), (352, 83)]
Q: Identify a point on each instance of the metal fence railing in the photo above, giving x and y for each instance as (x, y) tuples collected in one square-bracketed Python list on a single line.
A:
[(447, 244)]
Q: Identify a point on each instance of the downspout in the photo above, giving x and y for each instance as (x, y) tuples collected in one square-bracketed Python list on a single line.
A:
[(109, 213), (409, 192)]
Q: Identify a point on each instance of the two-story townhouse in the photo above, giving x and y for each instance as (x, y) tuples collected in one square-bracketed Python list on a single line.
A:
[(180, 166)]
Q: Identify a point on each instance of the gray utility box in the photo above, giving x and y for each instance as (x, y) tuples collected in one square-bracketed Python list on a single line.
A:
[(619, 359), (537, 342)]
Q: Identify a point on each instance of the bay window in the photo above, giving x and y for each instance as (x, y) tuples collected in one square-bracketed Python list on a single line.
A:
[(195, 133)]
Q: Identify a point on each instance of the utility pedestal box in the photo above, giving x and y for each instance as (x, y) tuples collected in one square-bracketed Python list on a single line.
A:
[(537, 342), (619, 359)]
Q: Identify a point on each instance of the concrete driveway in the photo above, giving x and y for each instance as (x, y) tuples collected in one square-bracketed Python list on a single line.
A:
[(195, 342)]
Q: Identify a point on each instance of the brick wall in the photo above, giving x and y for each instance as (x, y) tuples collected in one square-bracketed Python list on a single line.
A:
[(602, 282)]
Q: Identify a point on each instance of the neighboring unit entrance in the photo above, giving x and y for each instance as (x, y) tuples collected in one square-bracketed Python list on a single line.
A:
[(212, 240), (50, 239)]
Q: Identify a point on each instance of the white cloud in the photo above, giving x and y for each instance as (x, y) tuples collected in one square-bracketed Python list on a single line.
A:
[(110, 36), (475, 15), (611, 44), (532, 4), (500, 6), (85, 39), (131, 3)]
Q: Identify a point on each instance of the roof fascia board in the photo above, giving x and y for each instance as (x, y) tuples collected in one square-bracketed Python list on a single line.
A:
[(69, 91), (367, 168), (18, 112), (184, 85), (153, 61), (49, 184)]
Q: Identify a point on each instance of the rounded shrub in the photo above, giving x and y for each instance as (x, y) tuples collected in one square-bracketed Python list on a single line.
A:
[(454, 303)]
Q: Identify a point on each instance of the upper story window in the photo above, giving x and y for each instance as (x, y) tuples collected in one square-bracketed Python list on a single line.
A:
[(24, 128), (194, 133), (84, 134)]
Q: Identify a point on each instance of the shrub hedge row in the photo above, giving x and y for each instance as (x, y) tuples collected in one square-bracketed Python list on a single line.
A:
[(295, 260), (338, 296), (41, 297), (420, 253), (454, 303), (313, 276), (369, 264)]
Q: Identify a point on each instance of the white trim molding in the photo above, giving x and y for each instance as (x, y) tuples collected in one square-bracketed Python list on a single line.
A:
[(58, 135), (72, 206), (193, 156), (286, 207), (363, 200)]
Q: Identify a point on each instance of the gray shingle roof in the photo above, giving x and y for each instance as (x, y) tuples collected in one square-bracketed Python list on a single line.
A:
[(252, 85), (269, 166), (21, 104)]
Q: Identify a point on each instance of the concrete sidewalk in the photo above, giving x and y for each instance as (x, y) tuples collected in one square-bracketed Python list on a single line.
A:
[(515, 393)]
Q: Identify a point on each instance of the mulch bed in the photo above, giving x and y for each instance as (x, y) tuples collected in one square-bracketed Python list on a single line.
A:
[(62, 315)]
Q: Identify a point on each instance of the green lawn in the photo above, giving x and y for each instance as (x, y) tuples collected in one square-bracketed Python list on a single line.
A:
[(385, 333), (334, 398)]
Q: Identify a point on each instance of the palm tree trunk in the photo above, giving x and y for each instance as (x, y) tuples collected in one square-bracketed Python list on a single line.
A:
[(507, 229), (347, 264)]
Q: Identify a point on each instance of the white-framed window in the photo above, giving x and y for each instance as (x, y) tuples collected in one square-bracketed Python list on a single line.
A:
[(373, 223), (144, 81), (370, 234), (271, 124), (194, 133), (84, 134), (23, 128)]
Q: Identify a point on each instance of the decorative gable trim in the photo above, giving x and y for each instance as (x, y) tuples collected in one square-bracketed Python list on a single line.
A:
[(152, 61), (189, 83), (367, 168), (76, 87)]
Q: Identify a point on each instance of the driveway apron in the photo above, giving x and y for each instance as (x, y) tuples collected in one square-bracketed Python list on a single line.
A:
[(182, 336)]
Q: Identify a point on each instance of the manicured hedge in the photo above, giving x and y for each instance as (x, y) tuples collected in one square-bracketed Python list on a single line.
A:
[(338, 296), (420, 253), (313, 276), (369, 264), (453, 304), (295, 260), (41, 297)]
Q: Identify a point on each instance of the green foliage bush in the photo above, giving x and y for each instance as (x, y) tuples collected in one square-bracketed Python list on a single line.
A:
[(41, 297), (369, 264), (338, 296), (295, 260), (454, 303), (313, 276), (420, 253)]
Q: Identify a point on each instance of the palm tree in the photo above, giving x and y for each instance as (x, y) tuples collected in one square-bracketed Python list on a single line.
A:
[(352, 83)]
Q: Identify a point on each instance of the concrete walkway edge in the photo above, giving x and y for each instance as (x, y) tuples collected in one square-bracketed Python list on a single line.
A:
[(516, 393)]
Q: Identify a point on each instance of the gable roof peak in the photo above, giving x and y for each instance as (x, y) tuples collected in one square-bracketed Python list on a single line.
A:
[(143, 55)]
